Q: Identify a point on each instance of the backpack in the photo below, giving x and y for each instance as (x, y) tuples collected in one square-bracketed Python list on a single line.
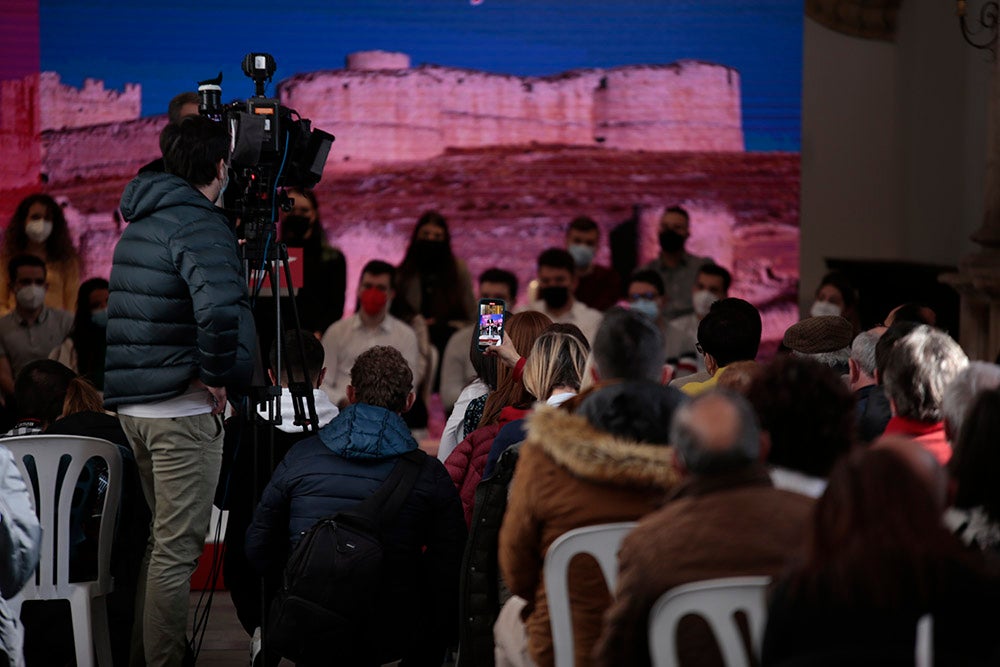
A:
[(326, 607)]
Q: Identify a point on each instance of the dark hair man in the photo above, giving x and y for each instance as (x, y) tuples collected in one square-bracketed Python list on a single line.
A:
[(919, 368), (344, 464), (725, 519), (32, 330), (456, 364), (180, 332), (240, 487), (599, 286), (676, 265), (711, 284), (730, 332), (371, 325), (183, 105), (557, 283)]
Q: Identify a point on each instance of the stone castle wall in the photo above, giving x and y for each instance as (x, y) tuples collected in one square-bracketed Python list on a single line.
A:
[(412, 114), (384, 111), (63, 106)]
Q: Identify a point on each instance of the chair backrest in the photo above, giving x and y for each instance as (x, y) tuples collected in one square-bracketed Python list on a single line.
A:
[(717, 601), (602, 542), (924, 650), (39, 459)]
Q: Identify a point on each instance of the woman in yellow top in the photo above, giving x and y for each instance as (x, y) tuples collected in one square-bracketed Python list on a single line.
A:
[(39, 228)]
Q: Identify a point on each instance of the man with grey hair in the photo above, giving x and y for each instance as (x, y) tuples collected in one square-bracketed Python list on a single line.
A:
[(977, 377), (918, 368), (725, 519), (872, 409)]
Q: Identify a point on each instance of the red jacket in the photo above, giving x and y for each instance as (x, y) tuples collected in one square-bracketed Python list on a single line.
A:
[(466, 463), (930, 435)]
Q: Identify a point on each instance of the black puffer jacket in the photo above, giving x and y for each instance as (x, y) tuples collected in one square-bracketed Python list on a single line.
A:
[(178, 309)]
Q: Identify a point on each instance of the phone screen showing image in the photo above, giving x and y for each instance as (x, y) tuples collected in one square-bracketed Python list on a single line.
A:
[(491, 316)]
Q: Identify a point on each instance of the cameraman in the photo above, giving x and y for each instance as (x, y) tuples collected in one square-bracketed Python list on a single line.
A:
[(180, 332)]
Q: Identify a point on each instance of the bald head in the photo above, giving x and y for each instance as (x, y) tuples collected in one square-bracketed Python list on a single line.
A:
[(715, 433), (921, 462)]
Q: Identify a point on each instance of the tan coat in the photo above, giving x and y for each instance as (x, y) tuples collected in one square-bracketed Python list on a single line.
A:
[(571, 474), (729, 525)]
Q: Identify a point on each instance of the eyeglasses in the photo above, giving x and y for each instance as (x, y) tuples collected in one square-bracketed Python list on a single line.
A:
[(645, 295), (700, 349)]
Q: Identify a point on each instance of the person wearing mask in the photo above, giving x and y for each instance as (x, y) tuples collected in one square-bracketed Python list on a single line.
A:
[(710, 285), (677, 266), (32, 329), (320, 299), (38, 227), (837, 296), (434, 282), (599, 286), (372, 325), (557, 282), (84, 348)]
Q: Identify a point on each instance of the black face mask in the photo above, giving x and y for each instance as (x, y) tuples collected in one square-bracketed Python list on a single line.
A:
[(671, 241), (430, 254), (554, 297)]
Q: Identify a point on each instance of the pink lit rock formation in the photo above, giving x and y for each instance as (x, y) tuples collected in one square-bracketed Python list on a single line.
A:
[(381, 114)]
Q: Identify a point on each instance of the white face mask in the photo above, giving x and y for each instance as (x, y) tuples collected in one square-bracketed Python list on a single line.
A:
[(31, 297), (38, 230), (647, 307), (702, 301), (824, 308)]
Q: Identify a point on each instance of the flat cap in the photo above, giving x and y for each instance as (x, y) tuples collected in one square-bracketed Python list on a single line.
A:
[(813, 335)]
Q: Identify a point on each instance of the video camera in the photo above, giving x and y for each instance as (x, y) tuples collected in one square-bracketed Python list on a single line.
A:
[(271, 147)]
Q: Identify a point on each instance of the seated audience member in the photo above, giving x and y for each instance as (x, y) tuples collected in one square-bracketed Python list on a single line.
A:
[(557, 283), (249, 460), (975, 513), (434, 282), (644, 293), (372, 325), (552, 373), (919, 367), (911, 312), (730, 332), (509, 402), (457, 370), (710, 285), (320, 300), (54, 400), (961, 393), (600, 458), (725, 519), (877, 558), (824, 338), (808, 414), (837, 296), (20, 547), (878, 412), (32, 329), (598, 286), (470, 402), (38, 228), (677, 267), (871, 411), (83, 350), (343, 465)]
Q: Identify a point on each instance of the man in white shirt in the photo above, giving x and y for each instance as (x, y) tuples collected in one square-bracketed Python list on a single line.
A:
[(372, 325), (557, 282)]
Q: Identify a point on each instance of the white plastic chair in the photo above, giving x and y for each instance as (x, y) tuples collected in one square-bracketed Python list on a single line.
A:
[(717, 601), (924, 650), (51, 582), (602, 542)]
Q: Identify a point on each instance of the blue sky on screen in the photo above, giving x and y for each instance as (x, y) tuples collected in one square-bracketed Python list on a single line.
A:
[(168, 48)]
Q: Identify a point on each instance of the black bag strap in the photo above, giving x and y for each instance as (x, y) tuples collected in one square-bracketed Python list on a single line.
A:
[(385, 504)]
